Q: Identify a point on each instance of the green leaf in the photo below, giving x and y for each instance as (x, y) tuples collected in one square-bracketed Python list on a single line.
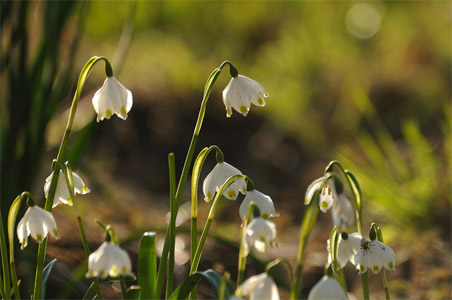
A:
[(212, 277), (147, 265), (45, 276), (14, 209), (91, 291), (134, 292)]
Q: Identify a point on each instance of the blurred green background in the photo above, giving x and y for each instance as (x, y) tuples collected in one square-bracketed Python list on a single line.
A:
[(368, 83)]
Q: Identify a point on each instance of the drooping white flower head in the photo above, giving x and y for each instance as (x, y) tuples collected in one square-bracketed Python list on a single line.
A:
[(217, 177), (241, 92), (259, 287), (36, 222), (342, 212), (262, 201), (112, 98), (62, 193), (259, 234), (109, 260), (327, 288), (327, 194), (347, 249), (375, 255)]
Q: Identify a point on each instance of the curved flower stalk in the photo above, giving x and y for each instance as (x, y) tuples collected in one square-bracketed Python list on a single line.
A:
[(262, 201), (374, 255), (259, 234), (241, 92), (87, 68), (327, 288), (217, 177), (36, 222), (109, 260), (259, 287), (62, 193), (112, 98)]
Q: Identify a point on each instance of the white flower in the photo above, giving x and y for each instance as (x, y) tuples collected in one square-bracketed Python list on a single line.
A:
[(109, 260), (259, 287), (262, 201), (258, 234), (327, 288), (62, 193), (347, 249), (217, 177), (375, 255), (327, 195), (112, 98), (342, 213), (241, 92), (36, 222)]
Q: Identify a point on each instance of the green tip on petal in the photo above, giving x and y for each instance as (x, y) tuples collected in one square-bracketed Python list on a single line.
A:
[(260, 101), (55, 233), (376, 268), (109, 113), (84, 189), (231, 193), (243, 109), (123, 110), (69, 201), (391, 265), (324, 204)]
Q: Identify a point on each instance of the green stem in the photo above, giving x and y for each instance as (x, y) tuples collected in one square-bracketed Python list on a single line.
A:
[(2, 289), (87, 253), (357, 196), (213, 208), (385, 284), (185, 169), (123, 287), (172, 224), (309, 220), (242, 256), (5, 265), (49, 201)]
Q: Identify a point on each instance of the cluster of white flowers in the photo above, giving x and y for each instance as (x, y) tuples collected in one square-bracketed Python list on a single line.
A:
[(260, 232), (342, 210)]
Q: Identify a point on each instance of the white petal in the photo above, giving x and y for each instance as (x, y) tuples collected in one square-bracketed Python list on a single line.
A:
[(217, 177), (327, 288), (312, 188), (262, 201)]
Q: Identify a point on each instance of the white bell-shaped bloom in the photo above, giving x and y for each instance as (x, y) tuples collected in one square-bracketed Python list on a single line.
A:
[(109, 260), (62, 193), (342, 213), (217, 177), (346, 249), (259, 287), (259, 234), (262, 201), (241, 92), (112, 98), (375, 255), (327, 194), (36, 222), (327, 288)]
